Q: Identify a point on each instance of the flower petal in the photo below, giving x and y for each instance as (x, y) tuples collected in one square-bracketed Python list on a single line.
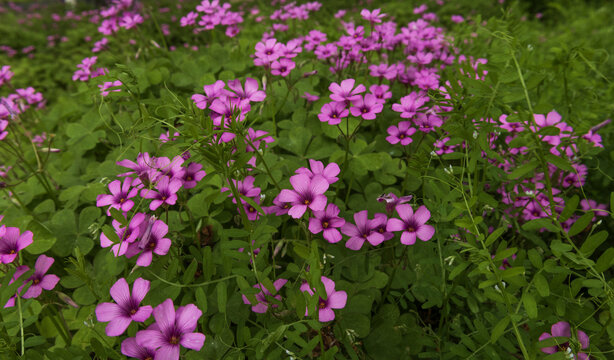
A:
[(408, 238), (194, 341), (165, 315), (140, 288), (107, 311), (118, 325), (120, 292), (337, 300)]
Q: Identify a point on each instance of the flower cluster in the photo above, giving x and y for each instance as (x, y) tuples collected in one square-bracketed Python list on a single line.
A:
[(173, 329), (211, 13), (86, 71), (156, 179)]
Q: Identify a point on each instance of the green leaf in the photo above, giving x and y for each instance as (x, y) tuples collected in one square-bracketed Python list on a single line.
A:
[(535, 258), (523, 170), (570, 206), (559, 162), (494, 236), (222, 296), (593, 242), (541, 284), (119, 217), (581, 223), (499, 329), (530, 305), (457, 270), (201, 299)]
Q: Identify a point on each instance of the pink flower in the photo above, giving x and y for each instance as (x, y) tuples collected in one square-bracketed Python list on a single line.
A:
[(40, 279), (410, 104), (126, 307), (346, 91), (11, 243), (401, 133), (427, 122), (282, 67), (457, 19), (442, 148), (381, 92), (130, 21), (126, 235), (5, 74), (104, 88), (172, 330), (383, 70), (562, 329), (392, 201), (192, 175), (333, 112), (152, 241), (309, 97), (334, 300), (132, 349), (329, 173), (307, 193), (372, 16), (212, 91), (366, 107), (327, 222), (245, 188), (361, 232), (412, 224), (250, 93), (165, 193), (262, 306), (120, 195)]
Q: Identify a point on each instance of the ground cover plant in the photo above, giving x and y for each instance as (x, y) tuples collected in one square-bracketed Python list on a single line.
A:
[(297, 180)]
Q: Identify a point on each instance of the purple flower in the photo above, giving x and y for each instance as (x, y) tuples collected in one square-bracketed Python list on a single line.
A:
[(392, 201), (334, 300), (427, 122), (121, 193), (282, 67), (410, 104), (126, 307), (40, 279), (329, 173), (251, 91), (245, 188), (367, 107), (134, 350), (333, 112), (19, 271), (310, 97), (5, 74), (346, 91), (263, 304), (412, 224), (381, 92), (383, 70), (401, 133), (327, 221), (11, 243), (372, 16), (192, 175), (562, 329), (442, 148), (278, 208), (104, 88), (152, 234), (166, 192), (126, 235), (307, 193), (172, 329), (212, 91), (361, 232), (379, 224)]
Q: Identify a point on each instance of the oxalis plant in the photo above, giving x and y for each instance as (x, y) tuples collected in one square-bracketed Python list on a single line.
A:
[(341, 180)]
